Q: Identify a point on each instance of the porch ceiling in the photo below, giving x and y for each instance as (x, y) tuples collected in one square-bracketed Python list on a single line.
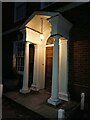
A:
[(33, 25), (40, 14)]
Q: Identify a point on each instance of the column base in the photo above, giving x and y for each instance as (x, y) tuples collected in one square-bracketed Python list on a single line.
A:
[(54, 102), (24, 91), (63, 96), (34, 87)]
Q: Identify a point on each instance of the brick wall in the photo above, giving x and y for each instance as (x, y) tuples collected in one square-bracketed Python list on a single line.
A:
[(82, 62), (79, 52), (80, 69)]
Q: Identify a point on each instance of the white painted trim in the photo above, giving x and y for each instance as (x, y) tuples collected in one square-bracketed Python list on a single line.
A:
[(51, 45)]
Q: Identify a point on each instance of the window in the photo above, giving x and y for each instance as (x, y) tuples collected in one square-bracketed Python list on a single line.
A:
[(19, 11), (18, 58)]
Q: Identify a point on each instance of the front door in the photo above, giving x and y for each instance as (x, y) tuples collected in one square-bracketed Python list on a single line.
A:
[(31, 63), (48, 74)]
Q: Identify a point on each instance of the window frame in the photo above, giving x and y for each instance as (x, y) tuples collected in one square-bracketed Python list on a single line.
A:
[(16, 56)]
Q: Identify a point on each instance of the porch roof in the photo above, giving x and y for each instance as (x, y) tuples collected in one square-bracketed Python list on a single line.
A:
[(57, 25), (33, 26), (41, 14)]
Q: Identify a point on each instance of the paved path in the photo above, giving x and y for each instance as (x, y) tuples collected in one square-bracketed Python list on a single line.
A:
[(37, 102), (12, 110)]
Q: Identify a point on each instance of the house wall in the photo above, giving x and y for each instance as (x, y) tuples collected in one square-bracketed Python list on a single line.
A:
[(7, 15), (7, 56), (79, 53), (79, 67), (10, 34), (81, 74)]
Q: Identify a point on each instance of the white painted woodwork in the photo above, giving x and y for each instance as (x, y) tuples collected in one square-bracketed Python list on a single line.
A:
[(56, 24), (25, 88), (54, 99), (60, 26), (63, 70)]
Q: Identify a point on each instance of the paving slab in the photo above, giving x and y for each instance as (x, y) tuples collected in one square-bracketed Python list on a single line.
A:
[(37, 102)]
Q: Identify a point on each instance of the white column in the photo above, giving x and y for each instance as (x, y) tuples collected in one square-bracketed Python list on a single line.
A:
[(54, 99), (25, 88), (34, 85), (63, 71)]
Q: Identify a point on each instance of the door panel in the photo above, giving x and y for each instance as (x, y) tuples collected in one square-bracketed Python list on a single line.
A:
[(48, 75)]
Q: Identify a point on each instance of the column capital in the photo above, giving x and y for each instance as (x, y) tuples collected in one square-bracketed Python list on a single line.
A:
[(63, 42)]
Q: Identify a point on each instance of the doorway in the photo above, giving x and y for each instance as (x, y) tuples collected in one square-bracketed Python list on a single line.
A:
[(31, 63), (48, 70)]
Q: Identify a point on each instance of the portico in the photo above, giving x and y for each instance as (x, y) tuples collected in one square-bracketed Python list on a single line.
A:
[(56, 26)]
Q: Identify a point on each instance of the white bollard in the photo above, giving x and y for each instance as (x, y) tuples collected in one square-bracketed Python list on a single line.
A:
[(61, 114), (82, 100), (1, 89)]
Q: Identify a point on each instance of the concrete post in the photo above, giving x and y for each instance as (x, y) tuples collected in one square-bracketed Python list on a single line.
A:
[(61, 114), (82, 100), (54, 99)]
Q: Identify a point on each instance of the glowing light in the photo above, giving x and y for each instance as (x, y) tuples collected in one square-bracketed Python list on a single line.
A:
[(41, 36)]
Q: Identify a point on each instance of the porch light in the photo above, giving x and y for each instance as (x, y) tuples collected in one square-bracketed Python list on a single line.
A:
[(41, 34)]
